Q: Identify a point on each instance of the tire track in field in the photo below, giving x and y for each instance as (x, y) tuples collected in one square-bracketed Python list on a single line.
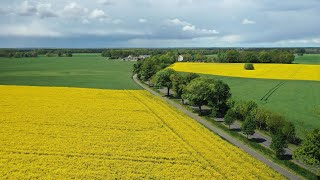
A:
[(162, 104), (271, 91), (266, 97), (105, 156), (223, 134), (179, 137)]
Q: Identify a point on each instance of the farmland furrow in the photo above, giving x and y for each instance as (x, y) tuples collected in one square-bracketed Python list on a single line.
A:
[(179, 137)]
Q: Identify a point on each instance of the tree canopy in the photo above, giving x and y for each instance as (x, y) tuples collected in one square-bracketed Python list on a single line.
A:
[(163, 78), (309, 152)]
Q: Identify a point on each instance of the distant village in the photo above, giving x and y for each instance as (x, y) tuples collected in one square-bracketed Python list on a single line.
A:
[(136, 58), (142, 57)]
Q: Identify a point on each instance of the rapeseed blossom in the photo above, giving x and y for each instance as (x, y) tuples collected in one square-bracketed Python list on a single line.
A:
[(63, 133), (264, 71)]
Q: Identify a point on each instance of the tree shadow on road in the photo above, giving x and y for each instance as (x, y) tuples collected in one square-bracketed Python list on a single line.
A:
[(258, 140), (235, 129), (286, 157)]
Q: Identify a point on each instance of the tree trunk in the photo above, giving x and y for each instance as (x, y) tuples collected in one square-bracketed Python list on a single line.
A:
[(182, 101), (149, 82), (200, 111), (260, 125), (168, 94)]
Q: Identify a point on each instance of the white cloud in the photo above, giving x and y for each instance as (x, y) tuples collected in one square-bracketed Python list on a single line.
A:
[(209, 31), (300, 41), (45, 10), (85, 21), (178, 22), (247, 21), (117, 21), (73, 9), (106, 2), (201, 32), (142, 20), (26, 9), (33, 29), (98, 14), (231, 38), (189, 28), (106, 32)]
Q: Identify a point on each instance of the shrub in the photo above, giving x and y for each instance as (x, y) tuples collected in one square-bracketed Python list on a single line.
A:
[(230, 117), (309, 151), (49, 55), (248, 66), (248, 127), (279, 144)]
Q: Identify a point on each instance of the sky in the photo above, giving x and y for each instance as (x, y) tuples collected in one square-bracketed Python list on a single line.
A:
[(159, 23)]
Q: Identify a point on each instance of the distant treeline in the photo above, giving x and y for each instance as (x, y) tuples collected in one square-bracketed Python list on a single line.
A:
[(22, 54), (273, 56), (191, 53), (25, 53), (48, 52), (122, 53)]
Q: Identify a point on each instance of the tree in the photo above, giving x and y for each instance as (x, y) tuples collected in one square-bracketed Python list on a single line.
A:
[(220, 96), (17, 55), (248, 66), (222, 57), (163, 78), (198, 92), (137, 68), (249, 56), (230, 117), (148, 69), (249, 126), (199, 57), (69, 54), (191, 76), (232, 56), (265, 57), (60, 54), (106, 53), (309, 152), (244, 108), (178, 84), (288, 58), (278, 143), (180, 81), (261, 117), (275, 122), (289, 131), (300, 51), (187, 57)]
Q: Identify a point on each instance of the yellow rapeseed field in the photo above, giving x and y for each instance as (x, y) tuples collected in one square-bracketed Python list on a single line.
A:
[(62, 133), (265, 71)]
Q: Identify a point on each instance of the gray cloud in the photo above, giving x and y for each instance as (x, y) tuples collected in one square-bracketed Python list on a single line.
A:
[(165, 23), (106, 2), (26, 9), (42, 10)]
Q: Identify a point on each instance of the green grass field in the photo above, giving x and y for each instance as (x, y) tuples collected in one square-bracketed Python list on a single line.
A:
[(82, 70), (86, 54), (298, 101), (308, 59)]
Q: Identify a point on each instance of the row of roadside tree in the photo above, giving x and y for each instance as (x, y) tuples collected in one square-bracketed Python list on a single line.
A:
[(214, 93)]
